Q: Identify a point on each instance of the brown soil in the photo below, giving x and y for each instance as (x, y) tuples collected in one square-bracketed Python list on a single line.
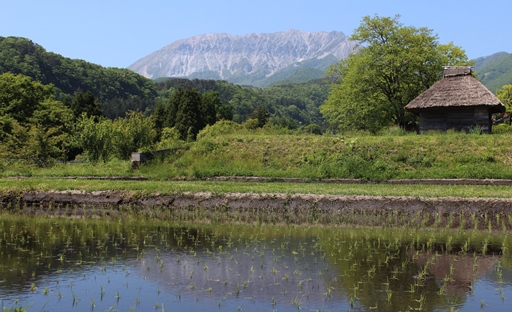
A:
[(446, 210)]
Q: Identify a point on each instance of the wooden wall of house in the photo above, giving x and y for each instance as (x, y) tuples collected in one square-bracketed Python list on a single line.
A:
[(458, 118)]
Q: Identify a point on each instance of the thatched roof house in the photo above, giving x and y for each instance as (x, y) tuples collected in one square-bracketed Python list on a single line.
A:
[(458, 101)]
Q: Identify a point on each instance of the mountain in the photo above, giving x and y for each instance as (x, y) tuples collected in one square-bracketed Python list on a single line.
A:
[(494, 71), (254, 59)]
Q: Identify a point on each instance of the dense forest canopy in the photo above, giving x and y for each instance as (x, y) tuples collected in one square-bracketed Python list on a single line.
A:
[(295, 104)]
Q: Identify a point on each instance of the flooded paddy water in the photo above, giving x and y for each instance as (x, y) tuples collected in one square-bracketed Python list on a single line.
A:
[(55, 264)]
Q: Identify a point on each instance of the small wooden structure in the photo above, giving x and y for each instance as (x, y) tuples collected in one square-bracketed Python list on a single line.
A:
[(458, 101), (138, 158)]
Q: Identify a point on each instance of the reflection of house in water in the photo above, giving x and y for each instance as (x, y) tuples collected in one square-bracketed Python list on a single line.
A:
[(463, 269)]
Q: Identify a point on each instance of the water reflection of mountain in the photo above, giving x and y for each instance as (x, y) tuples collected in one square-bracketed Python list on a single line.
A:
[(254, 272)]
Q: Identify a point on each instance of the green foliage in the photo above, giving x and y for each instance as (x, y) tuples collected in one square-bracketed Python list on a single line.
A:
[(393, 65), (221, 127), (50, 134), (505, 96), (132, 133), (95, 137), (170, 138), (502, 128), (103, 139), (34, 127), (188, 116), (261, 115), (298, 102), (495, 70), (188, 111), (20, 96), (313, 129), (85, 103), (117, 89)]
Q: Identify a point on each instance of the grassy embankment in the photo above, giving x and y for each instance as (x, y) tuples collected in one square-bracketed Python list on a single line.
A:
[(309, 157)]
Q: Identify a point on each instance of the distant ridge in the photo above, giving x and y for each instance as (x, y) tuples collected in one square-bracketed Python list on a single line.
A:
[(253, 59), (494, 70)]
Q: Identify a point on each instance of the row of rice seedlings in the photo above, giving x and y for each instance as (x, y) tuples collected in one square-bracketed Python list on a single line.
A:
[(461, 220)]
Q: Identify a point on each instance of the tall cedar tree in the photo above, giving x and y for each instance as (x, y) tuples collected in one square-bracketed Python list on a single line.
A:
[(188, 117)]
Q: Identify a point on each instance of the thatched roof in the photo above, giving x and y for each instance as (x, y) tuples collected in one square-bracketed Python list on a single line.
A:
[(458, 88)]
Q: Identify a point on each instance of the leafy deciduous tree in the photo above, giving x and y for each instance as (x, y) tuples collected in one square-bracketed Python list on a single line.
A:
[(133, 133), (95, 137), (20, 96), (393, 64), (505, 96)]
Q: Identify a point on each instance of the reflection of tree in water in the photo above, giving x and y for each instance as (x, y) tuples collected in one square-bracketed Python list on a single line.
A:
[(388, 274), (31, 250), (459, 271)]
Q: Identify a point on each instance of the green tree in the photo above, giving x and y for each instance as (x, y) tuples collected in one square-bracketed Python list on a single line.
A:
[(188, 117), (210, 102), (20, 96), (49, 135), (132, 133), (215, 109), (85, 103), (261, 115), (159, 116), (95, 137), (172, 108), (505, 96), (34, 127), (393, 64)]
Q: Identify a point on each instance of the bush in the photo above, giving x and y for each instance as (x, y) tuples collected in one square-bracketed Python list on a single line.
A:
[(219, 128), (502, 128)]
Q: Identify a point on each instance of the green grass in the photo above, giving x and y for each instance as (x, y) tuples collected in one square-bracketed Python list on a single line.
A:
[(392, 155), (173, 187)]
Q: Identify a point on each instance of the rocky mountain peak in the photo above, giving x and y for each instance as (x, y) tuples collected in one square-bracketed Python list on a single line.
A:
[(225, 56)]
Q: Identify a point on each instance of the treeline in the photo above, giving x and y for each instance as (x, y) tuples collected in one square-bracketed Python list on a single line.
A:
[(290, 105), (38, 129)]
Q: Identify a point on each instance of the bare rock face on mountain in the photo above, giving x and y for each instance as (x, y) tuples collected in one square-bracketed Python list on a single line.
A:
[(249, 59)]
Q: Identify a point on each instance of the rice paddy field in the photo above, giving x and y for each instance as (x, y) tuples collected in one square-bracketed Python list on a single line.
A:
[(146, 264)]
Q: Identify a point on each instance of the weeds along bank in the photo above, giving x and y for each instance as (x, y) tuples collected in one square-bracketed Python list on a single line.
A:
[(258, 153), (347, 211), (375, 158)]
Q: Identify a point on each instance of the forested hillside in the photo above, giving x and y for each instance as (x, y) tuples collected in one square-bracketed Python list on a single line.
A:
[(290, 105), (495, 70), (117, 89)]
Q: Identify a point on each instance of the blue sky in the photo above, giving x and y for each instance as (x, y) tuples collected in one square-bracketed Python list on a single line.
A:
[(116, 33)]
